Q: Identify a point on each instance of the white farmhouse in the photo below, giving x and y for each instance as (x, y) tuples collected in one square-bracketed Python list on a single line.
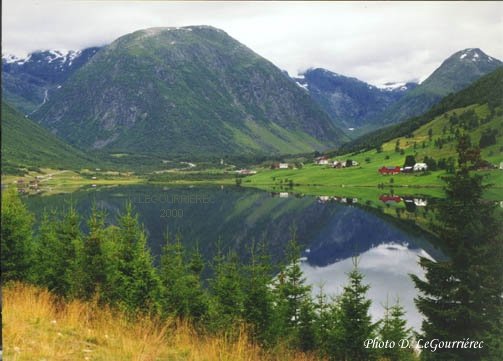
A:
[(420, 167)]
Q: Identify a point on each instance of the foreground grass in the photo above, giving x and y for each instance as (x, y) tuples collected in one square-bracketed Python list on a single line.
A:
[(38, 326)]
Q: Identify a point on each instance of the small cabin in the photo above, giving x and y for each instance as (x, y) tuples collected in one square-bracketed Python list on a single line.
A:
[(283, 166)]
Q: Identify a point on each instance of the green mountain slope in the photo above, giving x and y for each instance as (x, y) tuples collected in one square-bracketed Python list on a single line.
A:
[(487, 90), (455, 73), (26, 144), (191, 90), (432, 142)]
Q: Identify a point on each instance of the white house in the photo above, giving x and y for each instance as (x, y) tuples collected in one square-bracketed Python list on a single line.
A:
[(283, 166), (420, 202), (283, 194), (420, 167)]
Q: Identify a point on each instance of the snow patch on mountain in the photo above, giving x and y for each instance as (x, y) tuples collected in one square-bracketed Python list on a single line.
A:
[(393, 86), (303, 86)]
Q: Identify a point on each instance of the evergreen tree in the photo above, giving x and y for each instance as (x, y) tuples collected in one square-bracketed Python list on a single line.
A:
[(355, 321), (393, 329), (306, 327), (94, 255), (16, 238), (258, 305), (292, 295), (410, 160), (68, 262), (228, 294), (461, 296), (325, 323), (47, 256), (138, 284), (183, 295)]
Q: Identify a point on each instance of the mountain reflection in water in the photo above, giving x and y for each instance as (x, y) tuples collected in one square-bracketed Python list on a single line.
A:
[(332, 232)]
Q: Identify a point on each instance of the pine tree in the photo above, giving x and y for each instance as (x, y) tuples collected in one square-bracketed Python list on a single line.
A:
[(292, 295), (183, 295), (461, 297), (94, 255), (258, 305), (228, 294), (47, 256), (16, 238), (393, 329), (138, 284), (326, 323), (355, 321), (68, 262)]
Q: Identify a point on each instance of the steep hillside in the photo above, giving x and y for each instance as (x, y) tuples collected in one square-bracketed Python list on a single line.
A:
[(486, 91), (455, 73), (28, 83), (27, 144), (430, 138), (191, 90), (350, 102)]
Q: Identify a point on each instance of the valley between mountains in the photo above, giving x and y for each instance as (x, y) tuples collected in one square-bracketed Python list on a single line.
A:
[(144, 106)]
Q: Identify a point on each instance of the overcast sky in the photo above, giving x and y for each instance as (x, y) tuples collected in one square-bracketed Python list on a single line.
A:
[(376, 42)]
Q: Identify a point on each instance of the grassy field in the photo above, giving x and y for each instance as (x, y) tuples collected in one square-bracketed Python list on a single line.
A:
[(53, 181), (38, 326), (321, 179)]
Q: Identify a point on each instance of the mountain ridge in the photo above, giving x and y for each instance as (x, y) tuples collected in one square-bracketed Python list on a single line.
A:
[(456, 72), (189, 83), (350, 102)]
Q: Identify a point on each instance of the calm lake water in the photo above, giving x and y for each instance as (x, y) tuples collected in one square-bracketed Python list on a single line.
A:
[(331, 233)]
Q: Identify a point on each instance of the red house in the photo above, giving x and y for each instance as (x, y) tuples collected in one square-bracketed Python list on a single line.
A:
[(389, 170), (389, 198)]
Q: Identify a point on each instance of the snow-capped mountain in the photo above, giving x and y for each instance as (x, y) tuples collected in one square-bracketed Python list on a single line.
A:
[(350, 102), (28, 81), (455, 73)]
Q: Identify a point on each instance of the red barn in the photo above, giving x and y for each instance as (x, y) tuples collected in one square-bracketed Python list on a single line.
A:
[(389, 170)]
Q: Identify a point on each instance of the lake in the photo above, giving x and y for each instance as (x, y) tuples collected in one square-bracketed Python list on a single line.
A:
[(331, 232)]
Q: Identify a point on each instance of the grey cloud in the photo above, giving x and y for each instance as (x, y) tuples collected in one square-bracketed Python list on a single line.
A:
[(375, 42)]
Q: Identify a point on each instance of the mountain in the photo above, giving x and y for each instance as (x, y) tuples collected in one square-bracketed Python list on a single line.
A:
[(27, 83), (351, 103), (191, 90), (485, 94), (26, 144), (455, 73)]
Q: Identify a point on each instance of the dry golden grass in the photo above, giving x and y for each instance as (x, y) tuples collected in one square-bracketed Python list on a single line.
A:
[(37, 326)]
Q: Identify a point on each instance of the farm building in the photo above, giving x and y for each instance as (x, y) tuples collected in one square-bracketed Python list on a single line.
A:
[(389, 170), (420, 167)]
